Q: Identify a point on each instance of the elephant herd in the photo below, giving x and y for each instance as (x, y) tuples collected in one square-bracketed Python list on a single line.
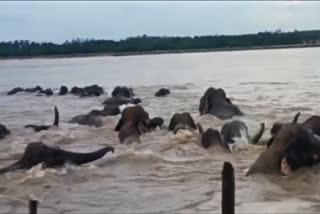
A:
[(291, 145)]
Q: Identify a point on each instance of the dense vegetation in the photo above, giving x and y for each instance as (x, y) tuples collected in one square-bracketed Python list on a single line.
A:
[(145, 43)]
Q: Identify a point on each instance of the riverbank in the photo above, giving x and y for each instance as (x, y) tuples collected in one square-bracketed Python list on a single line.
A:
[(166, 52)]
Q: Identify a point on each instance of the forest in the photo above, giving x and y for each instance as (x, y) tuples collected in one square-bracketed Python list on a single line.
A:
[(145, 43)]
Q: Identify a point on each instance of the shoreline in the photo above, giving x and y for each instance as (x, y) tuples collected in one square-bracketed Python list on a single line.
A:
[(163, 52)]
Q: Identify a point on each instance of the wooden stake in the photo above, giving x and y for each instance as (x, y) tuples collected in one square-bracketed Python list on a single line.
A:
[(228, 189)]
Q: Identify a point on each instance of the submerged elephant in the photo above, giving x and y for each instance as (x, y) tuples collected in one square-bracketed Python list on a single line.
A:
[(162, 92), (27, 90), (47, 92), (181, 121), (155, 122), (133, 122), (93, 118), (117, 101), (3, 131), (293, 147), (121, 91), (92, 90), (53, 156), (63, 90), (237, 128), (38, 128), (212, 137), (277, 127), (215, 102)]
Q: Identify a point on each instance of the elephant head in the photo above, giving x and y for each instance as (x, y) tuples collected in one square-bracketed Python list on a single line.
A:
[(133, 122), (3, 131), (121, 91), (211, 137), (181, 121), (215, 102), (52, 156)]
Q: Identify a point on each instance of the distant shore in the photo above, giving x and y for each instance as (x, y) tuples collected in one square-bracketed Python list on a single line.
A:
[(165, 52)]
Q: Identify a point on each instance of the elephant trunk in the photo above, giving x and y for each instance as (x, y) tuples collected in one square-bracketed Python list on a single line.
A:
[(12, 167), (83, 158)]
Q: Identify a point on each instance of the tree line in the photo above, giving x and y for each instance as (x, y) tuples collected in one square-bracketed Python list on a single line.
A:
[(144, 43)]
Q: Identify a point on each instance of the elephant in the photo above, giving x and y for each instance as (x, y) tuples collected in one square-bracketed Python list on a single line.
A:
[(293, 147), (121, 91), (108, 110), (162, 92), (52, 156), (313, 124), (38, 128), (237, 128), (155, 122), (277, 126), (215, 102), (15, 90), (27, 90), (90, 119), (3, 131), (63, 90), (133, 122), (121, 101), (47, 92), (212, 137), (93, 90), (181, 121), (33, 90)]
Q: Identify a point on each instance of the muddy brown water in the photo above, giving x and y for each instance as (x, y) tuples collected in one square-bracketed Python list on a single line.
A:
[(165, 173)]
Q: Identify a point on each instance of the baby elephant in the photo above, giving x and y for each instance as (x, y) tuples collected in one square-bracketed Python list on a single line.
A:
[(155, 122), (181, 121), (211, 137), (38, 128), (53, 156), (133, 122)]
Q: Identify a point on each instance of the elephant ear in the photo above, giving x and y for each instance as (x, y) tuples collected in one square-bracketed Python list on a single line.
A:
[(173, 122), (119, 125), (191, 121), (204, 104)]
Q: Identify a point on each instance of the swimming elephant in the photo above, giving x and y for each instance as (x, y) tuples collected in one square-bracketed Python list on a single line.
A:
[(47, 92), (181, 121), (108, 110), (215, 102), (293, 147), (33, 90), (212, 137), (27, 90), (277, 126), (38, 128), (313, 124), (133, 122), (3, 131), (53, 156), (121, 101), (63, 90), (155, 122), (162, 92), (15, 90), (92, 90), (90, 119), (237, 128), (121, 91)]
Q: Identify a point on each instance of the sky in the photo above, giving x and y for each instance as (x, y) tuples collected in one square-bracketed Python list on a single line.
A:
[(57, 21)]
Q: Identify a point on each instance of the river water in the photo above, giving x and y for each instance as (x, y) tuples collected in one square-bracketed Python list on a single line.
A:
[(165, 173)]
